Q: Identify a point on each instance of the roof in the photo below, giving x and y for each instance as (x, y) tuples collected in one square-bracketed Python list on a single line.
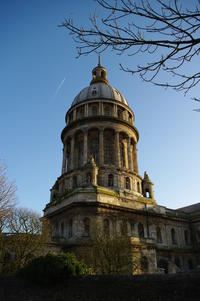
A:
[(99, 90), (191, 208)]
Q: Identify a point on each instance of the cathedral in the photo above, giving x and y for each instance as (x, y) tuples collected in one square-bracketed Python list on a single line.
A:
[(100, 183)]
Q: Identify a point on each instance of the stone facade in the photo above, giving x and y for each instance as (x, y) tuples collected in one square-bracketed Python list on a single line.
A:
[(100, 183)]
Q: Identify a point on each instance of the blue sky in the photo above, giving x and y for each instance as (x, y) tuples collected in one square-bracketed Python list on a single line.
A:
[(35, 58)]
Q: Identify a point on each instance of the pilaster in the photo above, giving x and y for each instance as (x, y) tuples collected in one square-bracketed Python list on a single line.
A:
[(72, 154), (130, 163), (135, 158), (85, 147), (117, 151), (125, 153)]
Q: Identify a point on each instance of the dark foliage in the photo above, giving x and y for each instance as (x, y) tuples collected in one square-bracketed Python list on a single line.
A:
[(53, 268)]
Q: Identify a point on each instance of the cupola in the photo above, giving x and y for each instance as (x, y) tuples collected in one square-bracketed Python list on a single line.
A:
[(99, 74)]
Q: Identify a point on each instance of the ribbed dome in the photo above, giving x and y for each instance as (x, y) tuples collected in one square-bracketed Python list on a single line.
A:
[(99, 90)]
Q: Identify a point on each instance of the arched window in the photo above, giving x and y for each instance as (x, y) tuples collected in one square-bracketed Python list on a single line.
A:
[(106, 226), (93, 145), (177, 262), (86, 223), (186, 236), (94, 110), (141, 230), (173, 236), (158, 235), (94, 76), (78, 150), (144, 264), (103, 74), (138, 187), (122, 154), (70, 229), (108, 144), (147, 194), (75, 181), (110, 180), (80, 153), (127, 183)]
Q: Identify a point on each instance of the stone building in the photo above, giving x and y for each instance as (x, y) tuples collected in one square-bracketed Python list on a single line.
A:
[(100, 183)]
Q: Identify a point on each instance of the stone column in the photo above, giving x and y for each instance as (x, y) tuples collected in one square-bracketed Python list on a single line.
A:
[(101, 148), (117, 150), (130, 165), (99, 109), (86, 110), (115, 111), (125, 153), (85, 147), (135, 158), (64, 159), (72, 154), (101, 106)]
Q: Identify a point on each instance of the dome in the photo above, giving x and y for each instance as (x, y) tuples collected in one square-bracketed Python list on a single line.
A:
[(99, 88)]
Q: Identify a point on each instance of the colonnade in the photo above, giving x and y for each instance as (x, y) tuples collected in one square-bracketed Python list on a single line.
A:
[(102, 108), (121, 146)]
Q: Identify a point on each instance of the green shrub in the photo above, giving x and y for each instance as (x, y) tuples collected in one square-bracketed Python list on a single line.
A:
[(53, 268)]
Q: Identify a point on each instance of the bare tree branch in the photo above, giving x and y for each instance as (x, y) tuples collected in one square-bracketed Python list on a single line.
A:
[(26, 238), (168, 32), (7, 196)]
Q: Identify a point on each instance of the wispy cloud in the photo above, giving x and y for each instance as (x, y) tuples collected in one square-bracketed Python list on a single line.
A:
[(59, 87)]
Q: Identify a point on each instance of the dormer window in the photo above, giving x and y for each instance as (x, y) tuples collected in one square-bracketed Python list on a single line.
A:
[(94, 91)]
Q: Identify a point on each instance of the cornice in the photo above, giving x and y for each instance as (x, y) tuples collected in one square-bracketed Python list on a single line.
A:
[(90, 119)]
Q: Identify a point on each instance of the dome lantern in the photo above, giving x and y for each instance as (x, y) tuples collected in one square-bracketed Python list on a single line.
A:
[(99, 74)]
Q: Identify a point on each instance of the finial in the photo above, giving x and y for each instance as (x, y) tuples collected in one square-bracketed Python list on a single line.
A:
[(99, 64)]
